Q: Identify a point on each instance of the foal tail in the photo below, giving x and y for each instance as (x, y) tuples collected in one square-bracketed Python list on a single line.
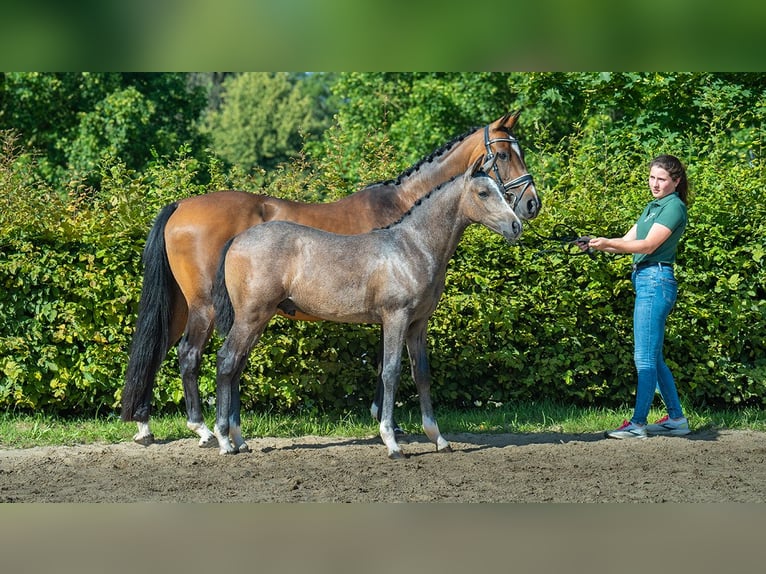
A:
[(224, 310), (151, 337)]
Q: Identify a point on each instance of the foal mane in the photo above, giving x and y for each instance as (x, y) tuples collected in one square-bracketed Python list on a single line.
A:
[(428, 195), (419, 202)]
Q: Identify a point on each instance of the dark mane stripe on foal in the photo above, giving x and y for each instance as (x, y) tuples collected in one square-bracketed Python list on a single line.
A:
[(419, 202)]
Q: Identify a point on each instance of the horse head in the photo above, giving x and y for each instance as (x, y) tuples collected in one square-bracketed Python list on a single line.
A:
[(485, 202), (509, 169)]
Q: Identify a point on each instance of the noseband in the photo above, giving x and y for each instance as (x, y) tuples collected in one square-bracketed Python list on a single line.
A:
[(523, 181)]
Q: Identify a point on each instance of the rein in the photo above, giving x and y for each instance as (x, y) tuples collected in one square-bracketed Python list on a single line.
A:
[(567, 240), (523, 181)]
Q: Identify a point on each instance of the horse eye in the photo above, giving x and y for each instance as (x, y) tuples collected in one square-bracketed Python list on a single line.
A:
[(484, 194)]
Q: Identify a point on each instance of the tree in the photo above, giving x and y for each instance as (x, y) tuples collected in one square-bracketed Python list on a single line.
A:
[(264, 118), (74, 120)]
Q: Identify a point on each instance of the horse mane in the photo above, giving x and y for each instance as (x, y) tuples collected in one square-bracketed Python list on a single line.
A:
[(428, 159), (428, 196), (420, 201)]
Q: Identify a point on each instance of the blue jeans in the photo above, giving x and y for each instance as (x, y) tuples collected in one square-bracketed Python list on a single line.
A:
[(656, 291)]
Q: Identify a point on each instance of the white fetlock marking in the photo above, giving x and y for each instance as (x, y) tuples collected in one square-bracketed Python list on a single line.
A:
[(144, 432), (389, 439), (207, 438), (223, 442), (432, 432), (235, 432)]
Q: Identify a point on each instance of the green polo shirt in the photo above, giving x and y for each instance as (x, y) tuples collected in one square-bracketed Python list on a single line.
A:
[(669, 211)]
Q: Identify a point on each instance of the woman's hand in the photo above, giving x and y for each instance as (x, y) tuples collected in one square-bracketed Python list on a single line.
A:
[(598, 243), (583, 242)]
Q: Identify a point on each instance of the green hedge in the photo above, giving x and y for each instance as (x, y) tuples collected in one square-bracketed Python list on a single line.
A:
[(516, 322)]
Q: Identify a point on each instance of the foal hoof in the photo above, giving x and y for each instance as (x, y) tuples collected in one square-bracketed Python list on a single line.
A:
[(396, 455), (144, 440), (208, 441)]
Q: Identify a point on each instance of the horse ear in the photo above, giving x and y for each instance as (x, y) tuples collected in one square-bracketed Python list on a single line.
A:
[(479, 165), (475, 166), (500, 123), (510, 119)]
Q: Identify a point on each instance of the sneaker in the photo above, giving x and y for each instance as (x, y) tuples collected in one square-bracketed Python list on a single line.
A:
[(667, 426), (627, 430)]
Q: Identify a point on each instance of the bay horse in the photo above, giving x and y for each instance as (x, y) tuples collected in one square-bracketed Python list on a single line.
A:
[(393, 276), (183, 247)]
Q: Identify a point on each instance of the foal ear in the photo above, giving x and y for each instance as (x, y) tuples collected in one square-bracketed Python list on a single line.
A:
[(477, 166), (485, 163)]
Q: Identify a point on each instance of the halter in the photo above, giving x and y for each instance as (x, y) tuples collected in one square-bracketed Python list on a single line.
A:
[(523, 181)]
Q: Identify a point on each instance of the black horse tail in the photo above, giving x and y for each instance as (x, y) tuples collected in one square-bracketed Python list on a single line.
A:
[(151, 336), (224, 310)]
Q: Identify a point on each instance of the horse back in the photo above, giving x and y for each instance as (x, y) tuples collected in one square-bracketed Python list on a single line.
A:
[(198, 230)]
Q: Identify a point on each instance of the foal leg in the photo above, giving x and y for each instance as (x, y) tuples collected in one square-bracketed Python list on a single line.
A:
[(421, 373), (231, 361), (375, 407), (198, 331), (229, 367), (390, 373), (235, 426)]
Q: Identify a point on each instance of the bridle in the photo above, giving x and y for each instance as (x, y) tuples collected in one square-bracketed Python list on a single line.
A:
[(523, 181)]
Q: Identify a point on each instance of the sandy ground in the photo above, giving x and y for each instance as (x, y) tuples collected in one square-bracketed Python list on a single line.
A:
[(705, 466)]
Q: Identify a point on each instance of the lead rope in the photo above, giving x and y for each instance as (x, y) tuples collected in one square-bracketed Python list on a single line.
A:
[(566, 238)]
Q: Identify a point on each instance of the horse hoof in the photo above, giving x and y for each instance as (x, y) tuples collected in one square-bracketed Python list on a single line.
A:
[(144, 440), (447, 448), (398, 431), (396, 455), (226, 451), (208, 442), (244, 448)]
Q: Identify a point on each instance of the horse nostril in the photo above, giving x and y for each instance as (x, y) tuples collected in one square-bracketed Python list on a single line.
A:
[(517, 228), (533, 205)]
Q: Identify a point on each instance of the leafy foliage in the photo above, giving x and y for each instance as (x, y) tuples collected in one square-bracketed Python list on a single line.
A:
[(74, 120), (262, 118), (516, 323)]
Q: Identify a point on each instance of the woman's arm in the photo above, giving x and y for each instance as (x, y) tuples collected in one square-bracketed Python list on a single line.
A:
[(657, 235)]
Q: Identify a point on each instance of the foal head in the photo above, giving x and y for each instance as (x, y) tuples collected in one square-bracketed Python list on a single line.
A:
[(509, 170), (483, 202)]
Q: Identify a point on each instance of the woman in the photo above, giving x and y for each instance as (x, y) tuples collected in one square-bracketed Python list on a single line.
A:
[(653, 241)]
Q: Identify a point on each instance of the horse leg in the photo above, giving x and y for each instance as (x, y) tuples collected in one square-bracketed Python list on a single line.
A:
[(235, 426), (231, 360), (421, 373), (378, 400), (391, 368), (175, 327), (198, 331), (229, 366)]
